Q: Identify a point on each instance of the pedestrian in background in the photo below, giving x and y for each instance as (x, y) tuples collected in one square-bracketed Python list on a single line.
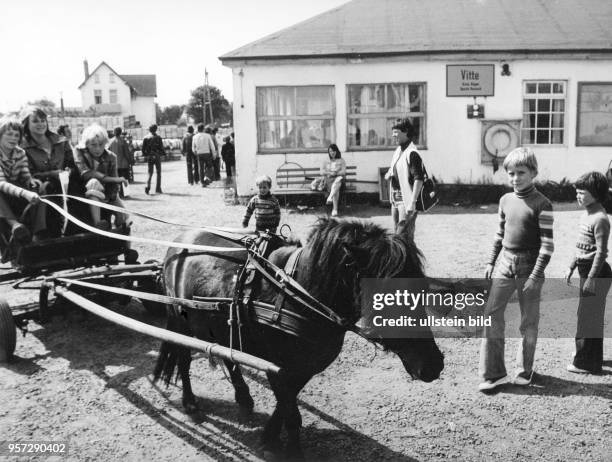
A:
[(192, 163), (121, 149), (228, 154), (216, 162), (152, 150), (204, 149)]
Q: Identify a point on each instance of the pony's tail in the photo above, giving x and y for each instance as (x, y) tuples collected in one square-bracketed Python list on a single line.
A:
[(171, 357), (167, 362)]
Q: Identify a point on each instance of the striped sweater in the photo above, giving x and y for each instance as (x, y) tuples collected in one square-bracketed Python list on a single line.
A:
[(525, 223), (14, 172), (267, 212), (592, 244)]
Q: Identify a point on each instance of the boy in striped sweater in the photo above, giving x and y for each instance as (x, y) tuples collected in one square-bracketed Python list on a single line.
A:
[(524, 244), (594, 271), (17, 186), (265, 206)]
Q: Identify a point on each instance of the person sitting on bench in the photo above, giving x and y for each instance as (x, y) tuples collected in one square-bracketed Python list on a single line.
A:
[(333, 173)]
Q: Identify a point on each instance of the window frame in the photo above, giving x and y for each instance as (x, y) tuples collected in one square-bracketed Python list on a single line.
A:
[(331, 117), (96, 78), (387, 115), (97, 92), (581, 85), (111, 78), (544, 96), (110, 96)]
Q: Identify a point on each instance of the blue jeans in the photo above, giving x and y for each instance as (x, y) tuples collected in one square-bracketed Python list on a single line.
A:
[(512, 270)]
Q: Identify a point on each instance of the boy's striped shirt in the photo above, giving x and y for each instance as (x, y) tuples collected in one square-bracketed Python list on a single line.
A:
[(14, 172), (267, 212), (525, 223)]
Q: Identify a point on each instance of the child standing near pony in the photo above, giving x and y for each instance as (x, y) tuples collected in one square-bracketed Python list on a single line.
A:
[(594, 271), (524, 242), (265, 206)]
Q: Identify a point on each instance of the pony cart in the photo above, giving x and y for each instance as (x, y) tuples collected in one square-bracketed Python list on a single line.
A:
[(262, 301), (86, 269)]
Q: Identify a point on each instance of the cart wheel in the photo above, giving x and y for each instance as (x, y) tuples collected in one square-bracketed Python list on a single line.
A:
[(153, 286), (8, 332)]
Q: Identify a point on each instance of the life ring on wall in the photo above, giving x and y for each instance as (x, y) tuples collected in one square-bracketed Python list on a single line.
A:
[(500, 139)]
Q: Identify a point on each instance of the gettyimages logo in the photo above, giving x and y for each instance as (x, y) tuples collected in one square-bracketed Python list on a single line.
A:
[(405, 308)]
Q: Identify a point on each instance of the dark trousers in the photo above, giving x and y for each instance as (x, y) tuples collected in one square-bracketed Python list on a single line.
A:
[(590, 327), (217, 168), (205, 166), (154, 162), (229, 168), (193, 176)]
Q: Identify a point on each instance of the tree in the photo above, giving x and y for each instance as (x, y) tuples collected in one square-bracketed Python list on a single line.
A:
[(221, 108), (45, 104), (170, 115)]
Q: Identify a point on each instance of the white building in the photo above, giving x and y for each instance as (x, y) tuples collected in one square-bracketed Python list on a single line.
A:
[(104, 91), (541, 72)]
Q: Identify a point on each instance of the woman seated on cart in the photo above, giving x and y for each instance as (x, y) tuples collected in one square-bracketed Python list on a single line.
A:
[(20, 204), (98, 169), (50, 155)]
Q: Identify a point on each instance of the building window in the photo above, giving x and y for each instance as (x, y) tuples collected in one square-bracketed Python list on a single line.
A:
[(97, 96), (295, 118), (594, 114), (96, 78), (543, 112), (111, 78), (373, 108), (112, 96)]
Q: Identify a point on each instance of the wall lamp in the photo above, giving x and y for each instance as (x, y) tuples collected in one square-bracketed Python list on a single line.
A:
[(505, 69)]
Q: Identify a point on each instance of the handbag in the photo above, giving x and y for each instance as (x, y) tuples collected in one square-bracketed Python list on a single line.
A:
[(428, 197)]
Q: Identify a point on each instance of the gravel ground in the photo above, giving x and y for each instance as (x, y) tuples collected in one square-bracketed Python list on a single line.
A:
[(86, 381)]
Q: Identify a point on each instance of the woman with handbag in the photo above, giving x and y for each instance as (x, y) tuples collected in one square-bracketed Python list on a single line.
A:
[(406, 173)]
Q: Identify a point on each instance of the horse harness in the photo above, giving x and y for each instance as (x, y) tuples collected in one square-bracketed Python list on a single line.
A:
[(243, 310)]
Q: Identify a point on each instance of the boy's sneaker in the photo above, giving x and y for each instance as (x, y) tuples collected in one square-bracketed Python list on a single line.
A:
[(491, 384), (523, 378), (577, 370)]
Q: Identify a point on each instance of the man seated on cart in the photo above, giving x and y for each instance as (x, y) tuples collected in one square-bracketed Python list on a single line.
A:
[(20, 204), (98, 169)]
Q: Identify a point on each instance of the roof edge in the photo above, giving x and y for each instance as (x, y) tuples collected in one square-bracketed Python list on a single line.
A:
[(382, 54)]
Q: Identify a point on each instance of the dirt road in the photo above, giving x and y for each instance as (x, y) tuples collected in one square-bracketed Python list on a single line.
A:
[(83, 380)]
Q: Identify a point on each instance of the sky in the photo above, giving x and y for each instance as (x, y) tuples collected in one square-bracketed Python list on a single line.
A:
[(45, 42)]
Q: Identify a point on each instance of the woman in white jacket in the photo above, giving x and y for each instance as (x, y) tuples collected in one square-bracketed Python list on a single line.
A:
[(405, 174)]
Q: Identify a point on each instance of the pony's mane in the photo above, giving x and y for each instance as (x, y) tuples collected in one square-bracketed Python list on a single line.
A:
[(340, 249)]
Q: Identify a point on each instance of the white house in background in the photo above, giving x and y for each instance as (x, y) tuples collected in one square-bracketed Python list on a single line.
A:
[(106, 92), (541, 72)]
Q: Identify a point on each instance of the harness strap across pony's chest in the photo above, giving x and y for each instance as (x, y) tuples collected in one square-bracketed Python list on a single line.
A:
[(290, 270)]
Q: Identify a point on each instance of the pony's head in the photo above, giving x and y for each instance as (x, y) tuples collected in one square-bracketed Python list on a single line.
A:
[(342, 252)]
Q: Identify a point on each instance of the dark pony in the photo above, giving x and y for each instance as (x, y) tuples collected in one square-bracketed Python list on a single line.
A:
[(337, 255)]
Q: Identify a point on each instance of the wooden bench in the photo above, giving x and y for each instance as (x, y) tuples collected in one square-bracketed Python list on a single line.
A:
[(292, 178)]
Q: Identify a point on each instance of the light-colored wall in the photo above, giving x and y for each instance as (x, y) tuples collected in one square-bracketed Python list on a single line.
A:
[(123, 91), (453, 141), (143, 107)]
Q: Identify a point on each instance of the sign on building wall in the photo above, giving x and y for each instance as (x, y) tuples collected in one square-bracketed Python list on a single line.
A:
[(470, 79)]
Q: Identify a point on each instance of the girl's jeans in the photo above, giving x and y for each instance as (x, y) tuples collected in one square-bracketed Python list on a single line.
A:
[(512, 270), (591, 311)]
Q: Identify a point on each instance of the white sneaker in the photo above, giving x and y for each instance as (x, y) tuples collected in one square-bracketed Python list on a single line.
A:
[(577, 370), (334, 213), (491, 384), (523, 379)]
